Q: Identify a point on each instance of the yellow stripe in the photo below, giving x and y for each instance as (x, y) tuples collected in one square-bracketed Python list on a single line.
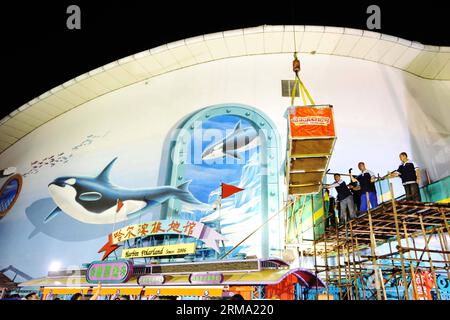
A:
[(57, 290), (184, 291), (126, 291), (85, 290), (444, 201), (318, 216)]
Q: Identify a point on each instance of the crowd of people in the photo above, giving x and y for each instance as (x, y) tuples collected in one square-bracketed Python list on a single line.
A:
[(360, 192), (79, 296)]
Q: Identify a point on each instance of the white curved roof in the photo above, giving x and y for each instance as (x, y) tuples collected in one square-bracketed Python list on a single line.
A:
[(428, 62)]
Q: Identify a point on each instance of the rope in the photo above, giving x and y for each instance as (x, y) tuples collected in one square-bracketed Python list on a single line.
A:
[(306, 91)]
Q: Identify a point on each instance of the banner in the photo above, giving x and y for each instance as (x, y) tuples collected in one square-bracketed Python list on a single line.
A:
[(162, 227), (424, 284), (156, 251), (311, 122)]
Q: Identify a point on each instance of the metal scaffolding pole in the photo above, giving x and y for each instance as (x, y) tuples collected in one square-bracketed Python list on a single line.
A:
[(354, 262), (400, 221), (373, 251), (443, 242), (445, 220), (397, 231), (360, 269), (411, 264), (339, 263), (327, 279), (429, 257), (395, 276), (314, 239), (348, 271)]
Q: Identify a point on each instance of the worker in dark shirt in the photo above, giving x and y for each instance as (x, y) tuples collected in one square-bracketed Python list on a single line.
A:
[(366, 181), (410, 176), (356, 192), (344, 197)]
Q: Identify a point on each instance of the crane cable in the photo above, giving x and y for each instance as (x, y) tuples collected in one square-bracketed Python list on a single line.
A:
[(304, 93)]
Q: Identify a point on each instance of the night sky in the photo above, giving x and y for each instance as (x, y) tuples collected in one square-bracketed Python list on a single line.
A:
[(40, 53)]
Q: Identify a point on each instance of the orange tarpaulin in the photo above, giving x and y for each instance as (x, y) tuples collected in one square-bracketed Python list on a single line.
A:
[(283, 290), (311, 122)]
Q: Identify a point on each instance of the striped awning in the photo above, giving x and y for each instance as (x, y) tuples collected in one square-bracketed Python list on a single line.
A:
[(73, 284)]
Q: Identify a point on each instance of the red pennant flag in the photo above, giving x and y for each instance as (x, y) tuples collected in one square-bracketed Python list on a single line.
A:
[(119, 205), (229, 190)]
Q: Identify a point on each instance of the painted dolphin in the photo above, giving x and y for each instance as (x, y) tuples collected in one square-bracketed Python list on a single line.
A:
[(95, 200), (241, 139)]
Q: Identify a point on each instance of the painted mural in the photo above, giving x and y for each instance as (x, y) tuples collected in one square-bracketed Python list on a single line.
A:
[(87, 199), (97, 200)]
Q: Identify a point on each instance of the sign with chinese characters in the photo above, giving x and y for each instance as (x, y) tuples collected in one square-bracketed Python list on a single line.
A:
[(310, 121), (206, 278), (177, 227), (169, 250), (170, 226), (114, 271), (149, 280), (188, 228)]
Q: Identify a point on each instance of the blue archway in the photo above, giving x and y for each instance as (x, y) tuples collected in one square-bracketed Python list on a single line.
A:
[(271, 173)]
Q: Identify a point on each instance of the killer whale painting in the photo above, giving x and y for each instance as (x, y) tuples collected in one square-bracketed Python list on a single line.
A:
[(96, 200)]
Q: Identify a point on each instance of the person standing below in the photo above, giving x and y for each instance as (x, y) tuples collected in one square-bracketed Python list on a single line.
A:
[(344, 197), (366, 181), (32, 296), (410, 176)]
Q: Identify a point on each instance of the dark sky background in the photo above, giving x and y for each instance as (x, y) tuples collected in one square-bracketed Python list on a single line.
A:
[(39, 52)]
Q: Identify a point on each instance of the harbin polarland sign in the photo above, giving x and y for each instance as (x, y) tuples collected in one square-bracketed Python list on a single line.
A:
[(157, 251), (187, 228), (114, 271)]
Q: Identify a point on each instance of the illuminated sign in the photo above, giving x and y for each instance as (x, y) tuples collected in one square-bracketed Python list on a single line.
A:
[(114, 271), (149, 280), (169, 250), (206, 278)]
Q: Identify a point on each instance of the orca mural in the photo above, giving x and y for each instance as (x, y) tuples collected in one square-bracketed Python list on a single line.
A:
[(96, 200), (72, 205)]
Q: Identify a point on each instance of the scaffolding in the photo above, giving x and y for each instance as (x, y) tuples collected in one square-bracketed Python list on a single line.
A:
[(349, 258)]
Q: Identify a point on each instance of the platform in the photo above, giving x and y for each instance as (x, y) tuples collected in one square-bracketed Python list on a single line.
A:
[(409, 216)]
